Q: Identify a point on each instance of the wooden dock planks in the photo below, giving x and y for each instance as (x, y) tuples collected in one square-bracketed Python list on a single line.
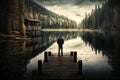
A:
[(60, 68)]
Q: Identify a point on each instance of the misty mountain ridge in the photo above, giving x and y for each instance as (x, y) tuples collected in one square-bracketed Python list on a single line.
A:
[(73, 9)]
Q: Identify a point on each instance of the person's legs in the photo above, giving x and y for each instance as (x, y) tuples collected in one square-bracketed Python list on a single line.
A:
[(58, 51), (61, 51)]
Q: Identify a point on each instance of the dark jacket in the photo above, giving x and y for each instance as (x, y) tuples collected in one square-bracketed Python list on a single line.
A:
[(60, 42)]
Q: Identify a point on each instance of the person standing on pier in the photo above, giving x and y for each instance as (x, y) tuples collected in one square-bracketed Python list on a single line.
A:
[(60, 43)]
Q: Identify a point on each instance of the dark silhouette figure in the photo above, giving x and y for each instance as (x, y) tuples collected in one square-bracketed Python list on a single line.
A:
[(60, 43)]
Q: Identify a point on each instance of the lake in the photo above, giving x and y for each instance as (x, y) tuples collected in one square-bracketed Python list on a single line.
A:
[(99, 51)]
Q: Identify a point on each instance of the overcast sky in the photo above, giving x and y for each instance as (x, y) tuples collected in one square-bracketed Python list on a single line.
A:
[(73, 9)]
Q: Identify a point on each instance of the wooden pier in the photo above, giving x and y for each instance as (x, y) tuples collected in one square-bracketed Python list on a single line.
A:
[(59, 68)]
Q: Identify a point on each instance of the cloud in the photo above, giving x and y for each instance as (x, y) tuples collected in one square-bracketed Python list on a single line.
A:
[(58, 2), (64, 2)]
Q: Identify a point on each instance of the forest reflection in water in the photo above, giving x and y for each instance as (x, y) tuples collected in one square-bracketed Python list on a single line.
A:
[(100, 52), (16, 55), (106, 44)]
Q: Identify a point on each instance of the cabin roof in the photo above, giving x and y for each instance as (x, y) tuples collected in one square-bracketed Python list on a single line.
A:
[(29, 19)]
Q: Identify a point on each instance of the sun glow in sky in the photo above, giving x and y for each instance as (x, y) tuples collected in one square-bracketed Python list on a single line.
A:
[(73, 9)]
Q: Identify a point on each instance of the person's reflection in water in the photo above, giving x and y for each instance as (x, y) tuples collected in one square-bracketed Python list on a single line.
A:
[(60, 43)]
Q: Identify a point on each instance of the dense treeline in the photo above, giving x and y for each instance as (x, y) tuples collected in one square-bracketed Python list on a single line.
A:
[(47, 18), (14, 14), (105, 16)]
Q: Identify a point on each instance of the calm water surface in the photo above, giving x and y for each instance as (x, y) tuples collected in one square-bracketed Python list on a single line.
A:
[(100, 52)]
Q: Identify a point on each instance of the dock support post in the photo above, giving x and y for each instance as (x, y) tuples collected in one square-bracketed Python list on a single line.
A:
[(80, 67), (45, 57), (49, 53), (75, 56), (71, 53), (40, 66)]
